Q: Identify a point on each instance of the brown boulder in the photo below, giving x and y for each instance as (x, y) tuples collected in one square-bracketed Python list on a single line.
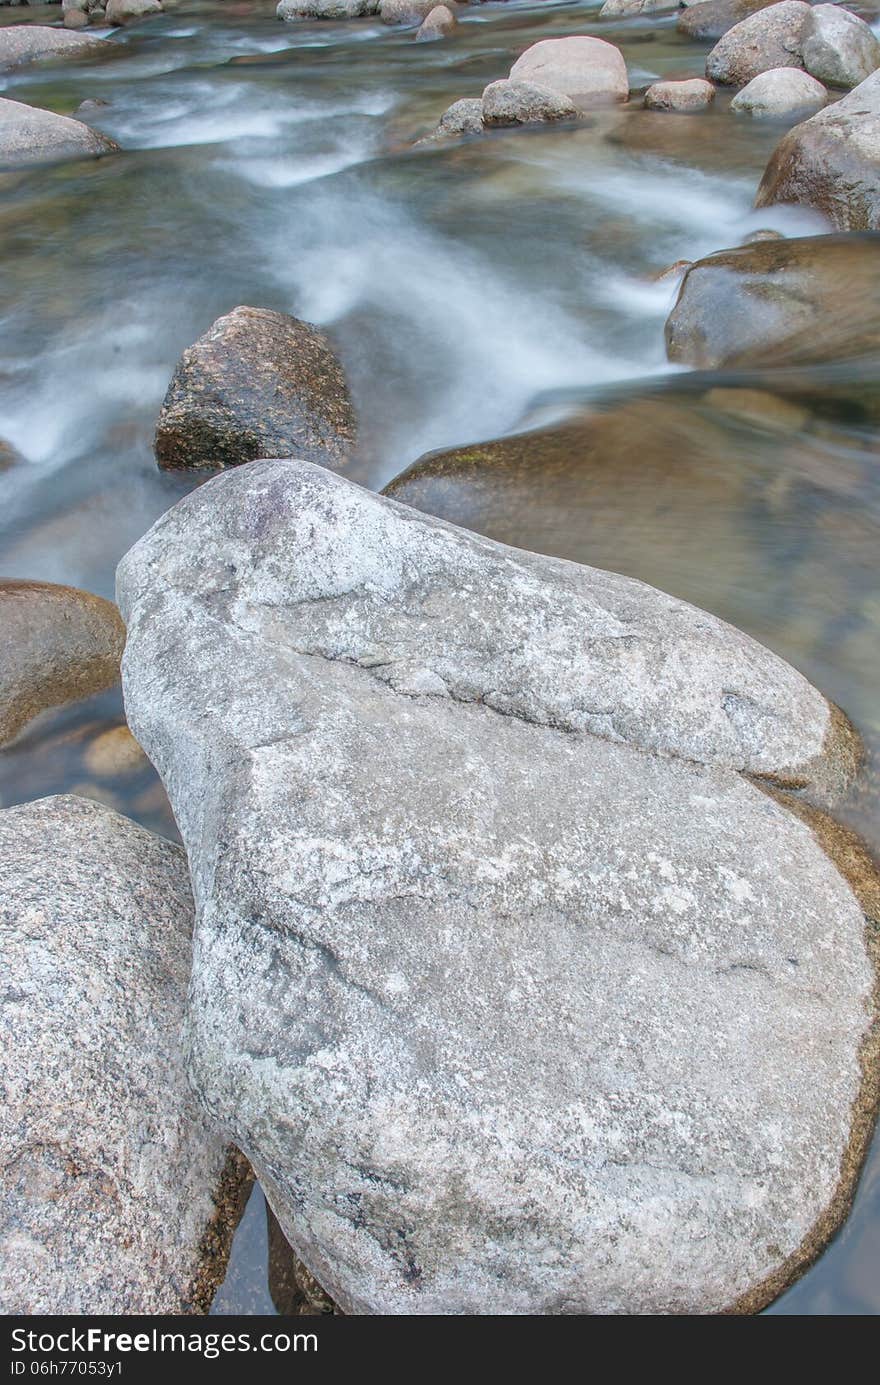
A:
[(257, 384)]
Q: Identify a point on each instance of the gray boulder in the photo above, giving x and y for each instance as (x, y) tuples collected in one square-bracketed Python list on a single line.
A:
[(613, 9), (326, 9), (832, 162), (257, 384), (463, 117), (27, 43), (130, 11), (520, 998), (589, 71), (838, 47), (771, 38), (29, 135), (692, 94), (405, 11), (524, 103), (783, 91), (779, 302), (439, 22), (114, 1193)]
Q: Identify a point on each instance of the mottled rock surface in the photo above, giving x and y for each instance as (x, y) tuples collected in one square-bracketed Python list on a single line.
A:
[(589, 71), (712, 18), (130, 11), (693, 94), (463, 117), (257, 384), (405, 11), (524, 103), (832, 162), (838, 47), (26, 43), (770, 38), (29, 135), (779, 92), (780, 302), (439, 22), (59, 644), (326, 9), (512, 1013), (111, 1176), (612, 8)]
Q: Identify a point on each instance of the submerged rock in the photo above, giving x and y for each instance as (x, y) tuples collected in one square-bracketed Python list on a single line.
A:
[(832, 162), (523, 103), (461, 118), (114, 1193), (511, 1013), (439, 22), (771, 38), (27, 43), (257, 384), (694, 94), (779, 92), (59, 644), (589, 71), (779, 302), (839, 48)]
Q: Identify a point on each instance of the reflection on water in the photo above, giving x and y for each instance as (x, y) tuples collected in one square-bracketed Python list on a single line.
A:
[(471, 290)]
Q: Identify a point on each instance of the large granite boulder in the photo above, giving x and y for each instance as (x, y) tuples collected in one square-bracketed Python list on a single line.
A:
[(257, 384), (117, 1195), (589, 71), (27, 43), (518, 995), (30, 135), (59, 644), (779, 302), (838, 47), (770, 38), (832, 162)]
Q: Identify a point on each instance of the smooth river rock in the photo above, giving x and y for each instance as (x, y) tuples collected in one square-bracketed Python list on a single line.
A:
[(832, 162), (770, 38), (439, 22), (29, 135), (405, 11), (780, 302), (589, 71), (59, 644), (463, 117), (518, 996), (257, 384), (27, 43), (783, 91), (692, 94), (115, 1198)]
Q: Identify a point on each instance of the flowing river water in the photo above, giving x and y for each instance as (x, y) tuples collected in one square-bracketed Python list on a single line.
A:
[(471, 290)]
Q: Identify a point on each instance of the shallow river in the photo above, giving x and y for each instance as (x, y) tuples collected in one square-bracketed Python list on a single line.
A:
[(471, 290)]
